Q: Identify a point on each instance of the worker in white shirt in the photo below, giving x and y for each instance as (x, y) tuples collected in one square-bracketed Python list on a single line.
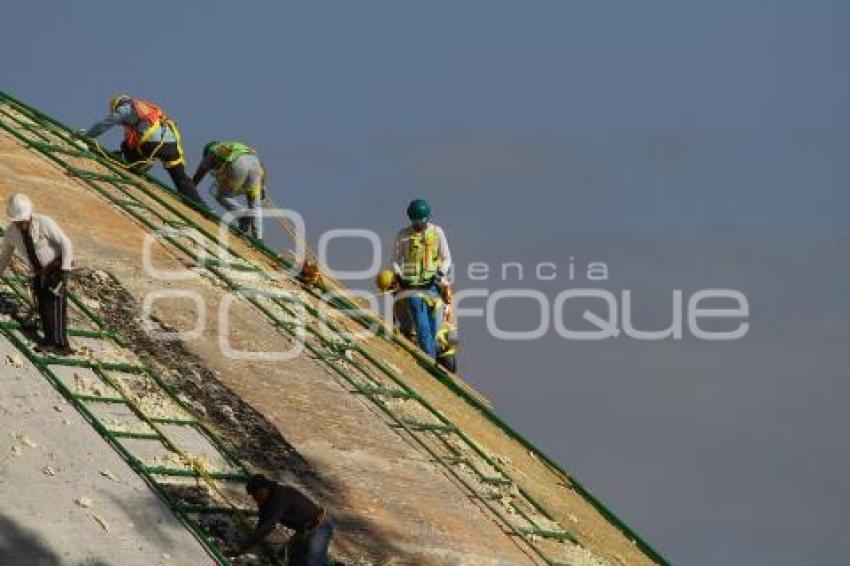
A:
[(50, 255), (421, 261)]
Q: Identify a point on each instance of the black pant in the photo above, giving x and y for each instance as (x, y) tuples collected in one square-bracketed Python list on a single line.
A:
[(52, 299), (164, 152)]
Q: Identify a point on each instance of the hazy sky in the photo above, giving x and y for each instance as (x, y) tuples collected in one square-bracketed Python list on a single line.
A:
[(687, 144)]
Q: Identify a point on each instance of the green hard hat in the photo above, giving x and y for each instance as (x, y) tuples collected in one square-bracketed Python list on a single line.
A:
[(418, 211)]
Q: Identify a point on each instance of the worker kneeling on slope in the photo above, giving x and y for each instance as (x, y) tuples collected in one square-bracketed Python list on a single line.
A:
[(283, 504), (421, 261), (447, 338), (50, 256), (238, 172), (148, 135)]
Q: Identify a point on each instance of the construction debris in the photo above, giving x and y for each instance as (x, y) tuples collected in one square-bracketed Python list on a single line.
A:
[(100, 521), (25, 440), (109, 475), (87, 386)]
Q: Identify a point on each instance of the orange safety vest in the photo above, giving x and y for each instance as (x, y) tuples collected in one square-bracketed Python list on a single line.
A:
[(146, 112)]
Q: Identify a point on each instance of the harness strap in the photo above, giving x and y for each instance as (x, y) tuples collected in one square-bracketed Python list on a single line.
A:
[(181, 158), (150, 132)]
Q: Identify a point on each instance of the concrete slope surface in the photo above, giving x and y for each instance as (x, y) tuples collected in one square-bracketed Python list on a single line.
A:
[(67, 497), (393, 502)]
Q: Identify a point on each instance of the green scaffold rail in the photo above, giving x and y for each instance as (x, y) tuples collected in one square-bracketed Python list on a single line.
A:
[(113, 391), (159, 209)]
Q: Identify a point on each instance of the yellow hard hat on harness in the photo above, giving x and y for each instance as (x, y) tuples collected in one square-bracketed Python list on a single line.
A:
[(385, 281)]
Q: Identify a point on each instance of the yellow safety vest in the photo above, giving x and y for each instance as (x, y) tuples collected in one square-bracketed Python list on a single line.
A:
[(423, 257), (227, 152)]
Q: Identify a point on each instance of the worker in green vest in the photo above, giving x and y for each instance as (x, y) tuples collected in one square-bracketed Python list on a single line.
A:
[(421, 260), (237, 172)]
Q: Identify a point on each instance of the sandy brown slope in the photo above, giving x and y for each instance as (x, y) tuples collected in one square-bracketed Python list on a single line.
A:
[(392, 502)]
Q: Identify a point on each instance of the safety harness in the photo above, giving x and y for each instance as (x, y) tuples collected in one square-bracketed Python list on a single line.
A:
[(422, 259), (148, 112), (227, 152)]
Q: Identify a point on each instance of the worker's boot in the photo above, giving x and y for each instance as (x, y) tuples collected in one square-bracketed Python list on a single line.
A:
[(246, 225)]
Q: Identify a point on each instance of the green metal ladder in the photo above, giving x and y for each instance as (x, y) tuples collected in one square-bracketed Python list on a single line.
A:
[(157, 208), (115, 382)]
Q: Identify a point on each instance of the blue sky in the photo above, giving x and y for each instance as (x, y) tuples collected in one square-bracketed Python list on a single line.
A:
[(688, 144)]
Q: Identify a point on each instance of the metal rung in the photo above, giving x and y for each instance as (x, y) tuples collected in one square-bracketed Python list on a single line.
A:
[(92, 364), (554, 535), (131, 202), (52, 148), (179, 472), (384, 392), (494, 480), (86, 333), (177, 224), (274, 296), (179, 422), (215, 262), (434, 427), (124, 368), (99, 399), (71, 362), (187, 508), (33, 127), (280, 298), (135, 435), (94, 176)]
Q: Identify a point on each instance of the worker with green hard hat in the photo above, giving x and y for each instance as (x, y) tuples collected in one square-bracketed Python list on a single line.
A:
[(421, 261)]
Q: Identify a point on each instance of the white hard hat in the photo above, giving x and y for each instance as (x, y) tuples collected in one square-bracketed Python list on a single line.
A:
[(19, 208)]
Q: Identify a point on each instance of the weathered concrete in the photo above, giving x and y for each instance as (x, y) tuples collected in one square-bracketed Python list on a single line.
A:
[(50, 457)]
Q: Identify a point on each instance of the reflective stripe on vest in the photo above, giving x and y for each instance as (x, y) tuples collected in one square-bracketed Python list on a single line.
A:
[(145, 112), (227, 152), (422, 261)]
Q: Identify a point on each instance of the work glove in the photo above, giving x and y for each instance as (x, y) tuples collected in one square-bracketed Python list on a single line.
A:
[(65, 276)]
